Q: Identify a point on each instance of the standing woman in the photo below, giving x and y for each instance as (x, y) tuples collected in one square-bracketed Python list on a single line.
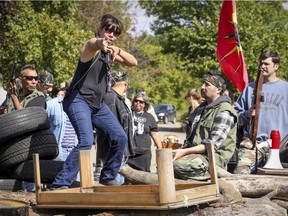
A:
[(84, 105), (145, 129)]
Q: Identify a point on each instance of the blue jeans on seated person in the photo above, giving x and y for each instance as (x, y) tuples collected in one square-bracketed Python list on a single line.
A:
[(83, 117)]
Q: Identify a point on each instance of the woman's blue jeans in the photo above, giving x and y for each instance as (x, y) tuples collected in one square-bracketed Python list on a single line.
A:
[(83, 117)]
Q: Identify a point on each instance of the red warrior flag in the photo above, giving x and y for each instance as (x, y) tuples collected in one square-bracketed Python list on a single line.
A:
[(229, 50)]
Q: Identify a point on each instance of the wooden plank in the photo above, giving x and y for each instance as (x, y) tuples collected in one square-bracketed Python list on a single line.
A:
[(196, 193), (37, 174), (193, 202), (125, 200), (136, 207), (190, 186), (110, 207), (263, 171), (85, 169), (212, 165), (165, 176), (128, 188), (99, 199)]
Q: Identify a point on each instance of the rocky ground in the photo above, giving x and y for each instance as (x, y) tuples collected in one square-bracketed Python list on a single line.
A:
[(218, 208)]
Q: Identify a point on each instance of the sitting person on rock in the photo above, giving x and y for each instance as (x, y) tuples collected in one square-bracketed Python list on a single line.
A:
[(215, 120)]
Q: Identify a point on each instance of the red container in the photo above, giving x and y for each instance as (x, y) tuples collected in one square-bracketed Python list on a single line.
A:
[(275, 137)]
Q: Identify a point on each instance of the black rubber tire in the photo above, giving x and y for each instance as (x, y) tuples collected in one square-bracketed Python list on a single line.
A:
[(165, 120), (48, 170), (10, 185), (174, 120), (22, 121), (23, 147)]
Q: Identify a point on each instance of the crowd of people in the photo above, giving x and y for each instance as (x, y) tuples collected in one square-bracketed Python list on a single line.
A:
[(95, 98)]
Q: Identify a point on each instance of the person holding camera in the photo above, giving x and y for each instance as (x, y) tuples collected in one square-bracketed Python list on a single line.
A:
[(29, 96)]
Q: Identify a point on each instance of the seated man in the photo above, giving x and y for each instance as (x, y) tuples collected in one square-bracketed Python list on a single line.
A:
[(214, 120)]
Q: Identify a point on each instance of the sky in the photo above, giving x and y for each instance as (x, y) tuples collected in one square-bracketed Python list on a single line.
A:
[(142, 22)]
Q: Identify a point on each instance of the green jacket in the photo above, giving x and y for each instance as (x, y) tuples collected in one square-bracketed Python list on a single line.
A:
[(205, 123)]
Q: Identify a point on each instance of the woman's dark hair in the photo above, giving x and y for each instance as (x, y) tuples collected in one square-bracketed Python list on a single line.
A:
[(111, 22), (145, 99)]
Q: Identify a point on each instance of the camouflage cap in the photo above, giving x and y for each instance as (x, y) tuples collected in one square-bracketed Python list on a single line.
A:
[(216, 78), (119, 76), (46, 77)]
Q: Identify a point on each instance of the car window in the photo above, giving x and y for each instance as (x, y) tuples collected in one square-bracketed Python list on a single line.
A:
[(162, 108)]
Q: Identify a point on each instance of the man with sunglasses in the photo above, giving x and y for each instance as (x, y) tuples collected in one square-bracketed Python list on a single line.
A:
[(29, 96), (215, 120)]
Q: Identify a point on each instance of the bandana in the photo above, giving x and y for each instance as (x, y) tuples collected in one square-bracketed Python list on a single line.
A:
[(216, 80)]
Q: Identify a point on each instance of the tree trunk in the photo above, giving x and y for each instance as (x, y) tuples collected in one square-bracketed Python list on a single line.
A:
[(248, 185)]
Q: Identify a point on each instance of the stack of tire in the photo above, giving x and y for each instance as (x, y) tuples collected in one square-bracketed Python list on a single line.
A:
[(23, 133)]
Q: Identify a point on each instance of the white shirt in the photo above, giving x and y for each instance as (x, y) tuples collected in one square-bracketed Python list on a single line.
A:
[(3, 94)]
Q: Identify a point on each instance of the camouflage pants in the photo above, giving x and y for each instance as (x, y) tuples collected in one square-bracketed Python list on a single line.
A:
[(193, 166), (247, 158)]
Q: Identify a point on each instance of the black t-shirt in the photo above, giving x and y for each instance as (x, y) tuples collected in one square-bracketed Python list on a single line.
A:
[(92, 83), (144, 123), (37, 101)]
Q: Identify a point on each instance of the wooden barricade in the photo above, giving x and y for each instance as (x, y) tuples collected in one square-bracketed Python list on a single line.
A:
[(164, 196)]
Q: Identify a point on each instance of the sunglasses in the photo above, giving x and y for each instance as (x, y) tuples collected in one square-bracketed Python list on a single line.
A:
[(30, 78), (139, 101), (110, 31)]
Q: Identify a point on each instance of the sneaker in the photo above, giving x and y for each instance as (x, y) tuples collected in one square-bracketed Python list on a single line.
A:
[(113, 182), (59, 187)]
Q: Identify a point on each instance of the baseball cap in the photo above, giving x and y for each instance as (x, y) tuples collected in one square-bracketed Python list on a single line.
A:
[(119, 76), (46, 78)]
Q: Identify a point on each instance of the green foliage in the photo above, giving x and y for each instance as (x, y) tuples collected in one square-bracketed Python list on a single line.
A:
[(43, 34), (263, 25), (50, 34), (162, 75), (188, 30)]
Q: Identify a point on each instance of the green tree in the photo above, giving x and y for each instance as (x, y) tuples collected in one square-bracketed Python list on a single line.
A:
[(160, 74), (43, 34), (189, 29), (51, 34)]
